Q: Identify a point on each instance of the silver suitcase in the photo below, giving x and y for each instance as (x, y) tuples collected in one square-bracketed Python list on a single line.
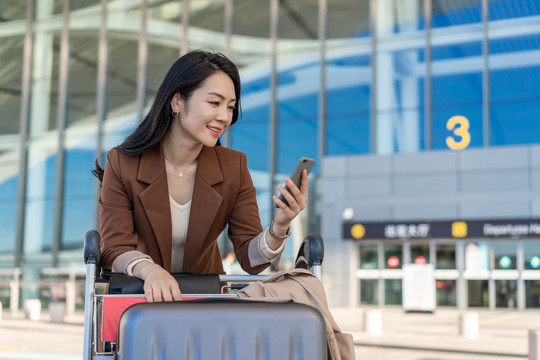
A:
[(221, 330)]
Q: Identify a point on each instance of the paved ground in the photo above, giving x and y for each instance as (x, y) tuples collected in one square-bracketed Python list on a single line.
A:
[(503, 335), (406, 336), (32, 340)]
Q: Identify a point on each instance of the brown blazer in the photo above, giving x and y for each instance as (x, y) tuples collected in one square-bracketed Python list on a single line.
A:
[(135, 209)]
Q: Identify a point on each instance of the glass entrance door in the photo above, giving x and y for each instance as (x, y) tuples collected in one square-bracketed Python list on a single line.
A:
[(506, 294), (478, 293), (477, 273), (446, 272)]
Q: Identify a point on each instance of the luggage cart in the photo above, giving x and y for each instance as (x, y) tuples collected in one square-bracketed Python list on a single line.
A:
[(205, 325)]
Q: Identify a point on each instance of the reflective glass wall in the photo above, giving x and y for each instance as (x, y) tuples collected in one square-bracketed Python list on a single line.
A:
[(319, 78)]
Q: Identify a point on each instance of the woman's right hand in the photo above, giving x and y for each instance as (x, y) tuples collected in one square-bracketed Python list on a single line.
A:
[(159, 285)]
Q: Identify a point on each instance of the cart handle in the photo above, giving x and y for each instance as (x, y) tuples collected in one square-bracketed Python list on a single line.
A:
[(92, 250), (310, 255), (311, 252)]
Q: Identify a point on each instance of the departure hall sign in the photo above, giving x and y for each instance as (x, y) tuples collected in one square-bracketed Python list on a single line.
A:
[(442, 229)]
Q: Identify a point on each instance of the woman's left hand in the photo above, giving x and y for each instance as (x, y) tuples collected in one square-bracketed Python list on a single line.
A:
[(297, 199)]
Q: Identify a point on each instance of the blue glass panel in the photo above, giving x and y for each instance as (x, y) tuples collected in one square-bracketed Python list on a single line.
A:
[(296, 139), (348, 105), (78, 177), (515, 122), (42, 178), (40, 204), (285, 77), (348, 135), (8, 213), (301, 107), (456, 51), (457, 89), (348, 101), (78, 219), (514, 44), (515, 89), (441, 115), (355, 61), (506, 9), (450, 13), (518, 83), (250, 135), (8, 221), (457, 94), (9, 188), (79, 203), (39, 226), (256, 85), (297, 130), (298, 95)]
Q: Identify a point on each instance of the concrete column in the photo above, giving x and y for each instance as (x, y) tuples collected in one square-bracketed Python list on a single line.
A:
[(373, 322), (469, 325), (32, 309), (397, 81), (70, 297), (534, 348), (14, 292), (492, 294), (520, 281), (42, 82), (57, 311), (461, 283), (385, 94)]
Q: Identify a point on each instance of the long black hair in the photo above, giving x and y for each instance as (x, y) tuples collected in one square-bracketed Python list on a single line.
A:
[(185, 76)]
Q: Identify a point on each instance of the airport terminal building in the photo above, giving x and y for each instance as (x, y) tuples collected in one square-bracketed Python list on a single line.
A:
[(422, 116)]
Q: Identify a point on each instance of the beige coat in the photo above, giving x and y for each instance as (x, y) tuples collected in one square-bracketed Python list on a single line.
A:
[(301, 286)]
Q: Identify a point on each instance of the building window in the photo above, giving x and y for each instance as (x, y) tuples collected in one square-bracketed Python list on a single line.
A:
[(369, 290), (478, 293), (420, 254), (446, 292), (393, 258), (506, 293), (515, 95), (504, 254), (446, 256), (532, 293), (531, 255), (393, 291), (477, 256), (368, 257)]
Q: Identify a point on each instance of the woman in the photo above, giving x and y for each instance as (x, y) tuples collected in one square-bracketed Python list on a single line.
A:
[(169, 189)]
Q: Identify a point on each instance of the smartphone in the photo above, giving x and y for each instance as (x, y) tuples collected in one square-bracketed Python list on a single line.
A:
[(296, 175)]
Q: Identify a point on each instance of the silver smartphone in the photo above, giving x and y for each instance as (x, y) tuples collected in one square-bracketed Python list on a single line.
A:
[(296, 175)]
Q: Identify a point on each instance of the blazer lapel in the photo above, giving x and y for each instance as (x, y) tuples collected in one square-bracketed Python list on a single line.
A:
[(204, 205), (155, 200)]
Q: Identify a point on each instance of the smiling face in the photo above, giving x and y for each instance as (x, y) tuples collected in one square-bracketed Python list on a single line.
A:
[(207, 113)]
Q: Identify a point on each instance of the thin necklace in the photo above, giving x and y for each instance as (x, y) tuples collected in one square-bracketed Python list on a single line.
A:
[(180, 172)]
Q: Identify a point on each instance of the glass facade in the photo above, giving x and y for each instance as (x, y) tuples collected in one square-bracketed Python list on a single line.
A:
[(488, 270), (369, 77), (348, 78)]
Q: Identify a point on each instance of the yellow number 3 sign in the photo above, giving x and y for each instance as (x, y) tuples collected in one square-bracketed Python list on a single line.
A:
[(459, 125)]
